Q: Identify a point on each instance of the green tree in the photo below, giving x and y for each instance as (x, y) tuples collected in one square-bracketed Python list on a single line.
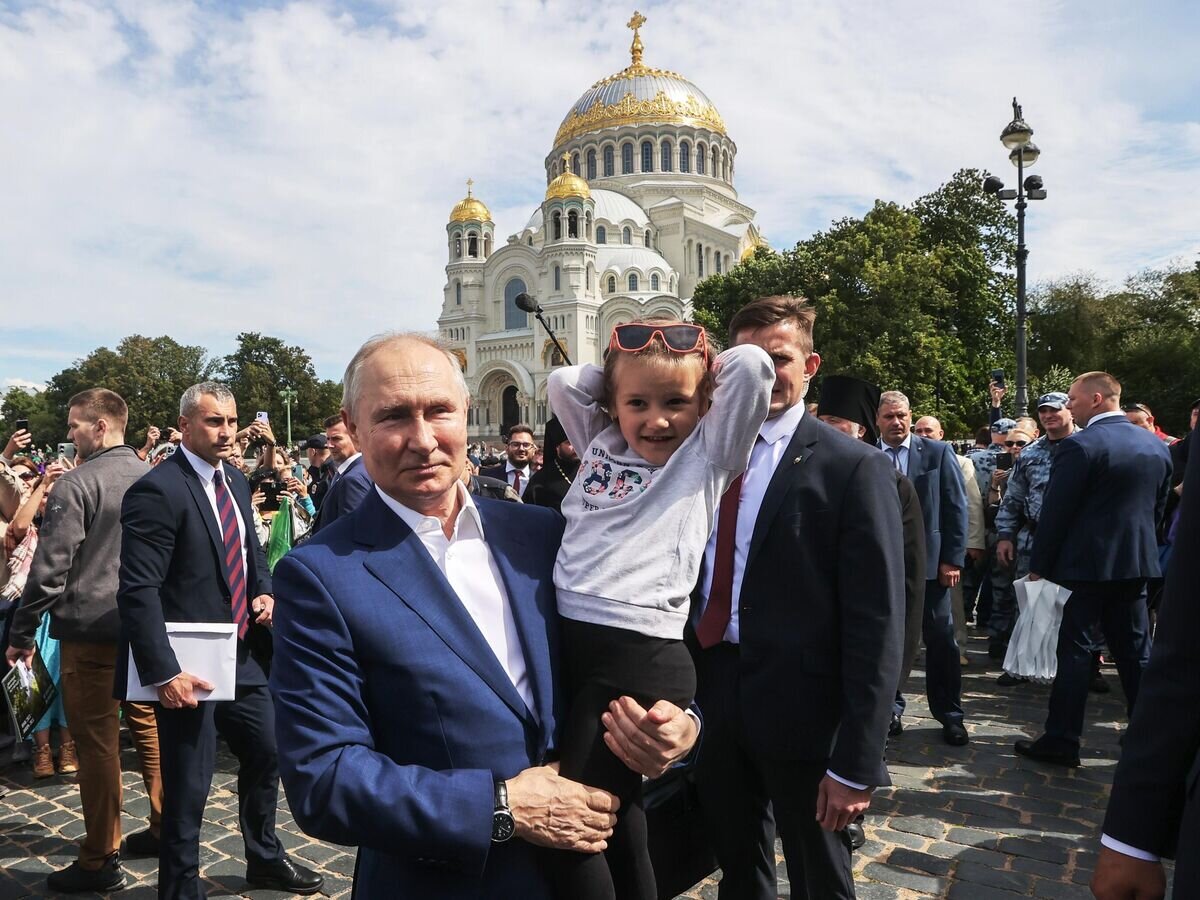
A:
[(46, 427), (913, 298), (261, 367)]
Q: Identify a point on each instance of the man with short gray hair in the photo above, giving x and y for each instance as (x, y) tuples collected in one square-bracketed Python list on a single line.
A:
[(930, 465)]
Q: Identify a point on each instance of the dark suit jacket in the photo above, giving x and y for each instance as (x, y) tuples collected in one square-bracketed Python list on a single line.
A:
[(1154, 790), (937, 479), (1106, 495), (821, 609), (501, 472), (913, 525), (345, 495), (394, 715), (172, 568)]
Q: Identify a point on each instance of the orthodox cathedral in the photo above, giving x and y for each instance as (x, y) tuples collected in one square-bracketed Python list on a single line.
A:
[(639, 208)]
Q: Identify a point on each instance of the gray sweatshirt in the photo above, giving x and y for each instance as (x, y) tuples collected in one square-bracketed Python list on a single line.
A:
[(636, 532), (74, 569)]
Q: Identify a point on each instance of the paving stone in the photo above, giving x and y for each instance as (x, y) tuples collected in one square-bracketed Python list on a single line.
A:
[(913, 881), (990, 877), (904, 858)]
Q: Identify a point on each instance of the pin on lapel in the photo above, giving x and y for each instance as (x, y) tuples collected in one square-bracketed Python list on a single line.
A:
[(797, 460)]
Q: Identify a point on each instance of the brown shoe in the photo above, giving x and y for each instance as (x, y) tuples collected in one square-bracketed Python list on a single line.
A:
[(68, 762), (43, 762)]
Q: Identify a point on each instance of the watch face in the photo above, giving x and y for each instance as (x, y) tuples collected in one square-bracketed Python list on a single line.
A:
[(503, 826)]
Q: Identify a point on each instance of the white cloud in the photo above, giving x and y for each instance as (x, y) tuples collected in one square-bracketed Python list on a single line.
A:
[(30, 387), (175, 168)]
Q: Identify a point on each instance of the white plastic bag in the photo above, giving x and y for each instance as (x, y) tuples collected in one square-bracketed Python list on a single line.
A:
[(1033, 647)]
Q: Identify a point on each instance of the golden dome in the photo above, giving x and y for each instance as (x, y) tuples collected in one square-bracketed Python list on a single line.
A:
[(468, 209), (568, 184), (639, 95)]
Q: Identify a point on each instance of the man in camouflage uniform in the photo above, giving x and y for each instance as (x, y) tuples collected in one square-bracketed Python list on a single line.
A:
[(1000, 577)]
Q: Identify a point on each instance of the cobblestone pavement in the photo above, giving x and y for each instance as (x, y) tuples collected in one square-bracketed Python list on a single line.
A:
[(973, 822)]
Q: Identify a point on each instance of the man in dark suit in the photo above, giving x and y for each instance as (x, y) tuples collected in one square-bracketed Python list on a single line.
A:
[(350, 481), (189, 553), (517, 467), (414, 676), (1153, 810), (798, 631), (1097, 536), (931, 467)]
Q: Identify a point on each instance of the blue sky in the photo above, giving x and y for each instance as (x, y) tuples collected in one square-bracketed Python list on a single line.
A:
[(200, 169)]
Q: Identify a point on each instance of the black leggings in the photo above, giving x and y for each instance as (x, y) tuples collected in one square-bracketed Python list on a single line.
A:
[(601, 664)]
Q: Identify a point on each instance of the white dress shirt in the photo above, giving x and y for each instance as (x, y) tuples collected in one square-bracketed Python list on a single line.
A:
[(1104, 415), (468, 565), (341, 469), (509, 468), (207, 471), (898, 456)]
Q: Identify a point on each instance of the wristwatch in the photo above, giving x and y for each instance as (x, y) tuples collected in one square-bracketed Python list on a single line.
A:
[(503, 826)]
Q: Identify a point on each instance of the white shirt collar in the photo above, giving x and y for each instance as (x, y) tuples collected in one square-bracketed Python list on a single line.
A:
[(421, 523), (783, 425), (344, 466), (1103, 415), (509, 467), (204, 469)]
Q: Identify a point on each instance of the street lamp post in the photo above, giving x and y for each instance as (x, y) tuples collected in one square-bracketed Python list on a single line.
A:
[(1023, 152), (288, 396)]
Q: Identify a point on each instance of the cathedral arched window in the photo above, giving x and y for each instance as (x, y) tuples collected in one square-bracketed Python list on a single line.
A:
[(626, 235), (587, 226), (514, 316), (557, 220), (458, 293), (591, 158), (612, 284), (573, 224), (557, 278), (648, 239), (575, 163), (666, 163), (473, 245), (457, 245), (633, 281), (700, 151), (601, 234), (654, 282), (529, 240), (717, 263), (626, 159), (647, 156), (700, 256), (609, 169), (685, 156)]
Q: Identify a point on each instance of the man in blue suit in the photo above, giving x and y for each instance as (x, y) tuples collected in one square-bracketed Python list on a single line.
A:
[(349, 482), (931, 467), (415, 662), (1097, 536)]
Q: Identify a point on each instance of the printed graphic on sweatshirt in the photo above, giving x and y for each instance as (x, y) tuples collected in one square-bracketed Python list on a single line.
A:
[(606, 481)]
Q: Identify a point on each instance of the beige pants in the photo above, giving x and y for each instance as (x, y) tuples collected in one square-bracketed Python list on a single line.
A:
[(86, 678)]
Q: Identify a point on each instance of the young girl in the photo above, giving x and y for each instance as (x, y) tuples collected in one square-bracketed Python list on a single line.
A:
[(639, 513)]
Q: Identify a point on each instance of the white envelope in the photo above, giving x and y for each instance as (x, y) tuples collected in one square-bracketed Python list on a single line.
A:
[(207, 650)]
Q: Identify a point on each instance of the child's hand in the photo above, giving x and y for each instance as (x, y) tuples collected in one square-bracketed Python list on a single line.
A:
[(648, 741)]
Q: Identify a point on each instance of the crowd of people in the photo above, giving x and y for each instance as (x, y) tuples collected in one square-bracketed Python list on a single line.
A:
[(465, 659)]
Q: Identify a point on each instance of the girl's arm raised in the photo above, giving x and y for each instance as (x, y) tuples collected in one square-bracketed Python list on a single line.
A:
[(574, 393)]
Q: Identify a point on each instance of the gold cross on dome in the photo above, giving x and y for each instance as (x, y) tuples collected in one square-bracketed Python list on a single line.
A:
[(470, 184), (637, 21)]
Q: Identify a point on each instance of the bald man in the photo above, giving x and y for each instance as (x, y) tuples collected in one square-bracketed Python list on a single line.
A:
[(931, 427)]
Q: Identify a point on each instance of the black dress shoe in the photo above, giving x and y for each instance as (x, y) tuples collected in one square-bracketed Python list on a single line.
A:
[(1035, 750), (954, 734), (75, 879), (1007, 679), (283, 875), (141, 843), (896, 728)]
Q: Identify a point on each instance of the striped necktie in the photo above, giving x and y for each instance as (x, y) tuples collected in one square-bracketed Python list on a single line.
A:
[(235, 570)]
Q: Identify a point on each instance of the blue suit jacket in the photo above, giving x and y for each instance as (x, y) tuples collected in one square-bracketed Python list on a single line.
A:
[(393, 715), (1107, 491), (344, 496), (937, 479), (172, 568)]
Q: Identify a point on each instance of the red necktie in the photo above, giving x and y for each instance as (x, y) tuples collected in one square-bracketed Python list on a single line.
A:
[(234, 570), (517, 481), (720, 596)]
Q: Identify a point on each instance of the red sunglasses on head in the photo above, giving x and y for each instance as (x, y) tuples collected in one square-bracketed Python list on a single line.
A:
[(678, 338)]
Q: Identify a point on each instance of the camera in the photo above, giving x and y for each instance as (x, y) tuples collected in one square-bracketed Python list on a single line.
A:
[(998, 377)]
